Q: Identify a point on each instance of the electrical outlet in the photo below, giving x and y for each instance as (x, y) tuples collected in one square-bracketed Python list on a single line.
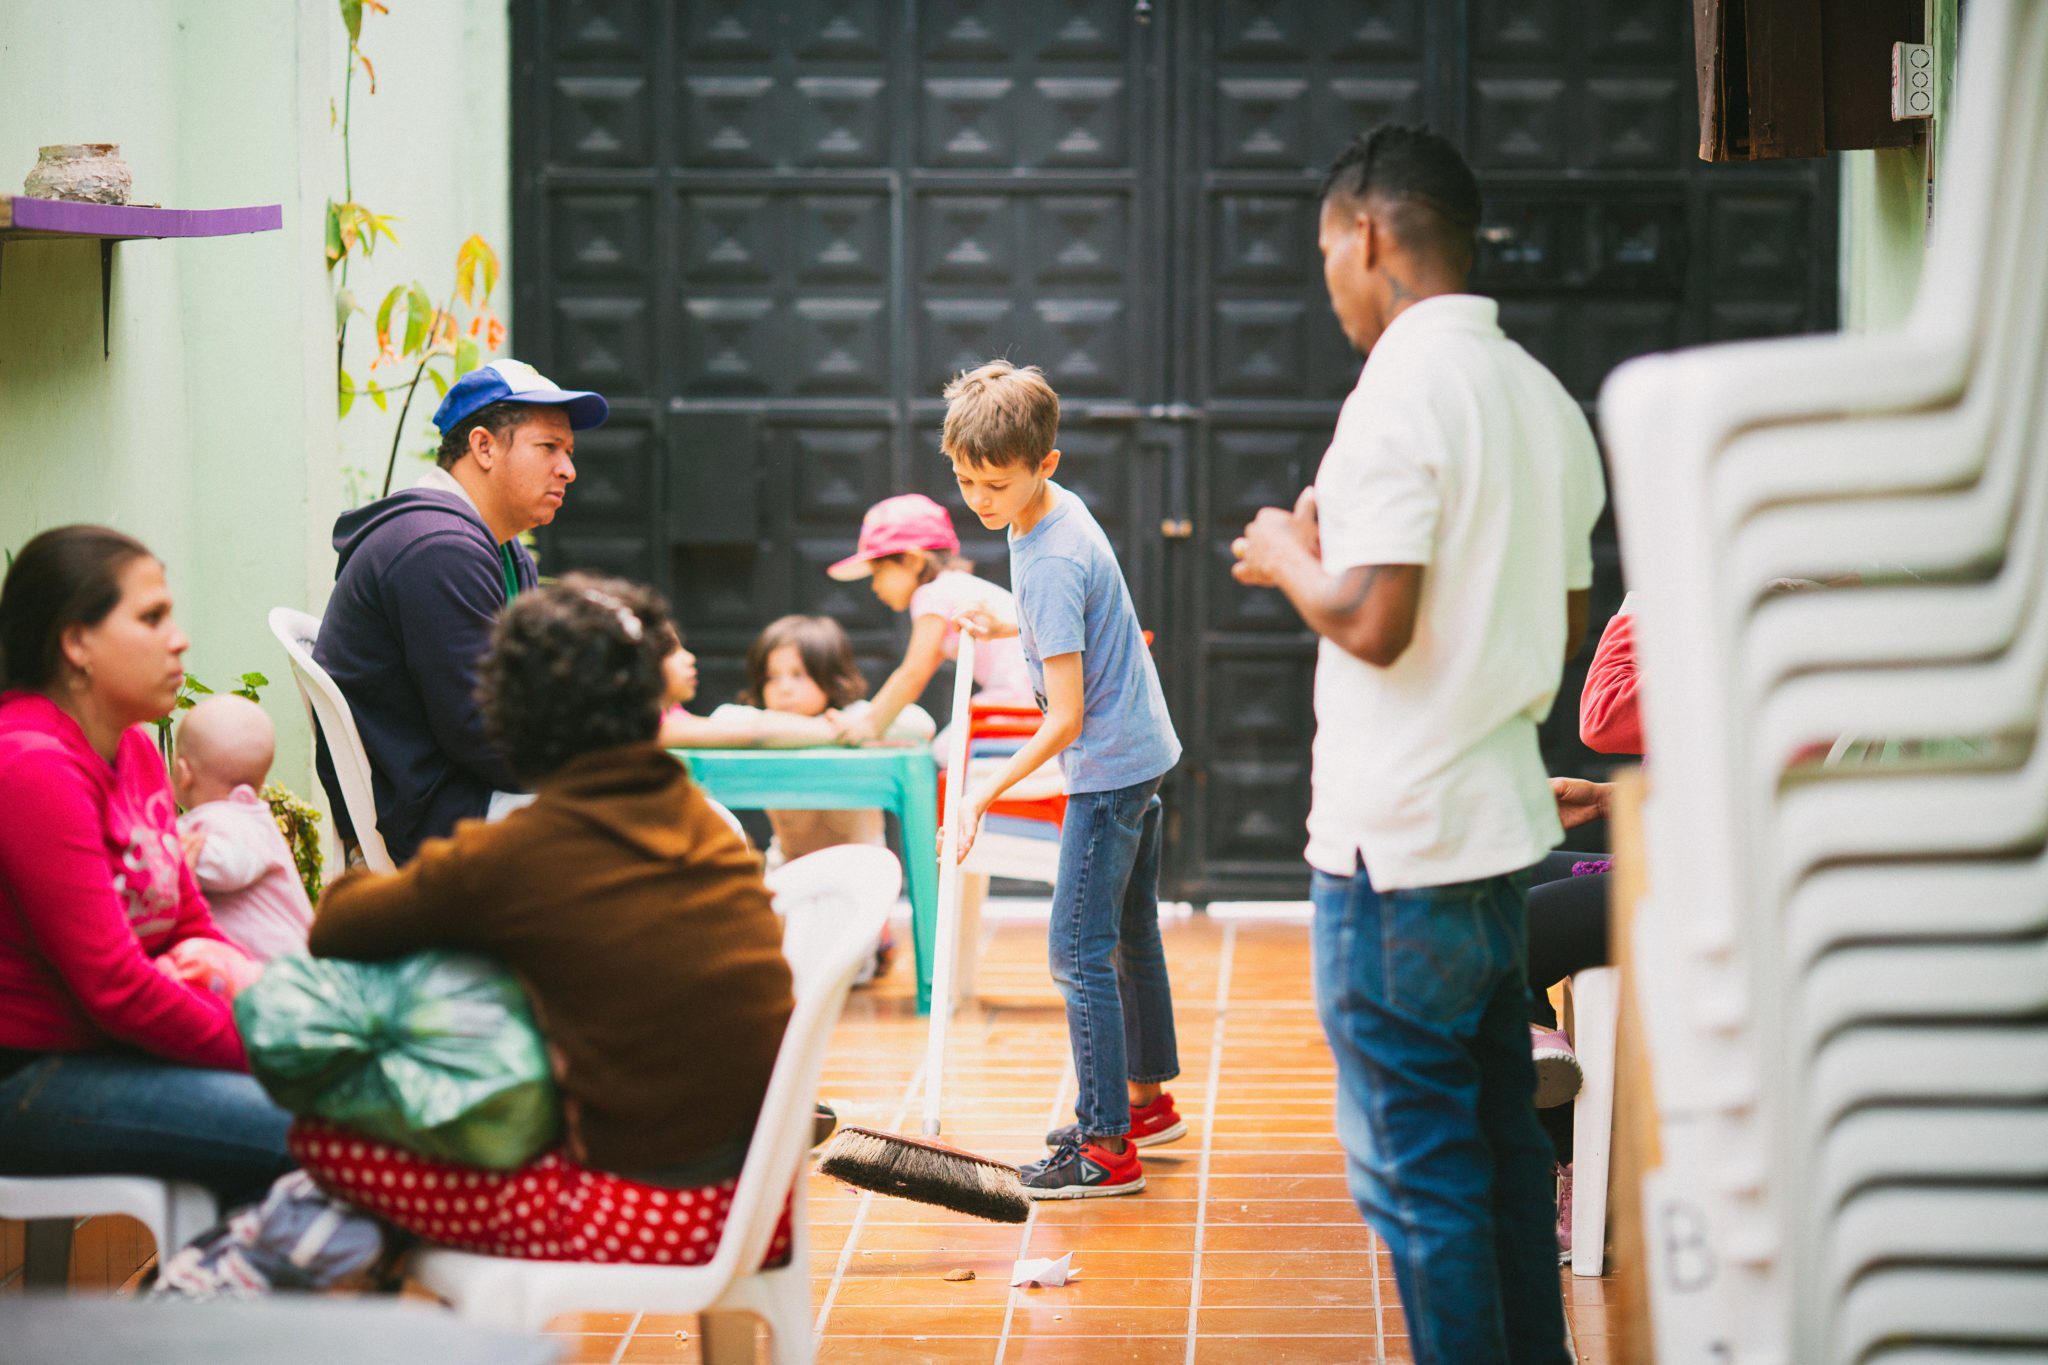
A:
[(1912, 81)]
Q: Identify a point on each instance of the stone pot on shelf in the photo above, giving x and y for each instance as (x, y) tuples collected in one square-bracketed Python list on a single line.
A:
[(91, 172)]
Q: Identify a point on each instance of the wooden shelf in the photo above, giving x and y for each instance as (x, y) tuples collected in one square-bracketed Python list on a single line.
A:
[(28, 220)]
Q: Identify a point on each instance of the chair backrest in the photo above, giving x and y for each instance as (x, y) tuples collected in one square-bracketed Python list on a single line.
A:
[(813, 894), (724, 813), (833, 904), (328, 709)]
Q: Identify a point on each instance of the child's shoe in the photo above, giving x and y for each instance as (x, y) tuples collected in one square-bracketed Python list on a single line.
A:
[(1564, 1215), (1084, 1170), (1151, 1125), (1558, 1076)]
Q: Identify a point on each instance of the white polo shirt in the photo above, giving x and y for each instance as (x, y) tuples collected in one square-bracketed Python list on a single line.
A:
[(1459, 452)]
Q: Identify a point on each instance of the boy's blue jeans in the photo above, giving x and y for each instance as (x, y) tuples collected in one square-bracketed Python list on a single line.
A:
[(1424, 999), (1106, 954)]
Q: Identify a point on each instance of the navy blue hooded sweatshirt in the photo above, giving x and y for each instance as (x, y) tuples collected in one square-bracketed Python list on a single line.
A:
[(418, 588)]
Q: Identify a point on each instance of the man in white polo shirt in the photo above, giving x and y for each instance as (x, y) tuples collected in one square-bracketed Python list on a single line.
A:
[(1444, 557)]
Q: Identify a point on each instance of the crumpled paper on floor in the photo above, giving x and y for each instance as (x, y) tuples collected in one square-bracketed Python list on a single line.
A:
[(1046, 1273)]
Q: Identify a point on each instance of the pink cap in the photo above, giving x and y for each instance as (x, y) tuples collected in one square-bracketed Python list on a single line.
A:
[(909, 521)]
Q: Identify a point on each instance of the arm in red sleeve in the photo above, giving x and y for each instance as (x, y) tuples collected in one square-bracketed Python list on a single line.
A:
[(1610, 721), (50, 855)]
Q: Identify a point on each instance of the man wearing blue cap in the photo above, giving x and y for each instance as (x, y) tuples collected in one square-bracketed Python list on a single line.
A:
[(422, 577)]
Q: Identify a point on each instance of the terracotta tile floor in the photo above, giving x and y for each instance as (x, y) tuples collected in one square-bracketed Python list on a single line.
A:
[(1243, 1247)]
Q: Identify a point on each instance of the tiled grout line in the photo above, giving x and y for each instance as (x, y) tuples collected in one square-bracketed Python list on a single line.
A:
[(860, 1216), (1224, 958), (619, 1351), (1379, 1311), (1052, 1118)]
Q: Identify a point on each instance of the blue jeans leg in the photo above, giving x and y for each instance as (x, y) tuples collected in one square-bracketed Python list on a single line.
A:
[(1421, 995), (1151, 1048), (1101, 842), (122, 1113)]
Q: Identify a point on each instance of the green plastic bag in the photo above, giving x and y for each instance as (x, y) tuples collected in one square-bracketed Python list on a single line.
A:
[(437, 1053)]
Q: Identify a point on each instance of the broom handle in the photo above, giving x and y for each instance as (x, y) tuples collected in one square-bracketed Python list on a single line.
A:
[(947, 941)]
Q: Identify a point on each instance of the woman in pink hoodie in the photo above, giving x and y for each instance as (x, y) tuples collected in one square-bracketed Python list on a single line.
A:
[(107, 1064)]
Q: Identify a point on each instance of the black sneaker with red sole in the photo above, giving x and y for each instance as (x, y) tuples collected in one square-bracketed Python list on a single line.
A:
[(1151, 1125), (1084, 1170)]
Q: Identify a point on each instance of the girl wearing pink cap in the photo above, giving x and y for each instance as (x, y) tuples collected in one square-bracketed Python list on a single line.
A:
[(910, 554)]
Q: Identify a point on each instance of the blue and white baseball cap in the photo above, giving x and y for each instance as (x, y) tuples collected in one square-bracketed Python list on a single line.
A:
[(515, 381)]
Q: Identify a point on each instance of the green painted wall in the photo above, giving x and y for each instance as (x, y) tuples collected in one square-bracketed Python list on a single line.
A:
[(210, 432), (1885, 203)]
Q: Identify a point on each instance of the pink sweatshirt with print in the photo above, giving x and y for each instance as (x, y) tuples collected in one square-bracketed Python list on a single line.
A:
[(92, 888)]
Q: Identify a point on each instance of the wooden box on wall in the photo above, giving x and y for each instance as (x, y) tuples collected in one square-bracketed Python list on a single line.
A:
[(1783, 78)]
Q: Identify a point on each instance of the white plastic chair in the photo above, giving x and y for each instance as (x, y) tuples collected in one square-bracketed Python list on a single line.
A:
[(1950, 900), (1990, 1310), (1596, 1017), (1898, 1144), (328, 710), (1932, 1225), (1725, 462), (833, 903), (174, 1212)]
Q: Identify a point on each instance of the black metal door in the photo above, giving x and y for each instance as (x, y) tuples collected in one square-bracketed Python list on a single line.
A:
[(770, 231)]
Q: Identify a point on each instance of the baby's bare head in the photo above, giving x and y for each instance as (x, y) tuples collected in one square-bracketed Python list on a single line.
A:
[(224, 742)]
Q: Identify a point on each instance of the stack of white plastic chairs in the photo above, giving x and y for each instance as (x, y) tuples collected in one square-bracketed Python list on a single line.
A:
[(1842, 967)]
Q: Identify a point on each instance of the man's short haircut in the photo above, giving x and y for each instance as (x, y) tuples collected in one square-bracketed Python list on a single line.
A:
[(575, 667), (1432, 193), (1000, 414), (500, 419)]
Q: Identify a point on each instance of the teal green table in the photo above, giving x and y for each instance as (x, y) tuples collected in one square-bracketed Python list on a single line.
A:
[(903, 780)]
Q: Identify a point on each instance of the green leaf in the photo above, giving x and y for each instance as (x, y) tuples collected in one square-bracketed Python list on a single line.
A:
[(376, 395), (348, 392), (352, 19), (344, 305), (467, 357), (490, 268), (334, 246), (384, 314), (419, 311), (440, 384)]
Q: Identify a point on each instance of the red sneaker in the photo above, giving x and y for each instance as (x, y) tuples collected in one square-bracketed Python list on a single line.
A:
[(1084, 1170), (1151, 1125)]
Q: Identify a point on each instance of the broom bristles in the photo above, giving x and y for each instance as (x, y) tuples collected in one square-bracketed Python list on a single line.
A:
[(926, 1172)]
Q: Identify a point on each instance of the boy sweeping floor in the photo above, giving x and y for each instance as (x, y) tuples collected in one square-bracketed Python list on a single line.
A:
[(1105, 717)]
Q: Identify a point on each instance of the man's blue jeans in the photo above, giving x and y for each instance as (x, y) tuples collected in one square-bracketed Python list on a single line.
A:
[(1424, 1000), (122, 1113), (1106, 954)]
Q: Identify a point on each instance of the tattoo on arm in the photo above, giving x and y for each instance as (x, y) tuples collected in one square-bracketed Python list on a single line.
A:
[(1357, 597)]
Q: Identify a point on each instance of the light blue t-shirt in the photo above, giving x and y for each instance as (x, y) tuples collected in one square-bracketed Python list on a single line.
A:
[(1071, 596)]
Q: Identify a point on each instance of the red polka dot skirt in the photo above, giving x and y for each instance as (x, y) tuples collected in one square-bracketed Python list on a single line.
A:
[(550, 1209)]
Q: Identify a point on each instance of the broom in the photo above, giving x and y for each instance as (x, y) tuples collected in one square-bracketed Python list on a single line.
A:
[(924, 1169)]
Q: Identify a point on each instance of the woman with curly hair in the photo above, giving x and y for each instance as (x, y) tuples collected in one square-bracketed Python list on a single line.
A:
[(638, 921)]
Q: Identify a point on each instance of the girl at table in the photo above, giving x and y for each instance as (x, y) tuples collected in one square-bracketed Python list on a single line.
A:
[(802, 667), (910, 555)]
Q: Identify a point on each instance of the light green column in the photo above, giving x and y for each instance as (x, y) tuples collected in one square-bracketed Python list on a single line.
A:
[(1885, 203)]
